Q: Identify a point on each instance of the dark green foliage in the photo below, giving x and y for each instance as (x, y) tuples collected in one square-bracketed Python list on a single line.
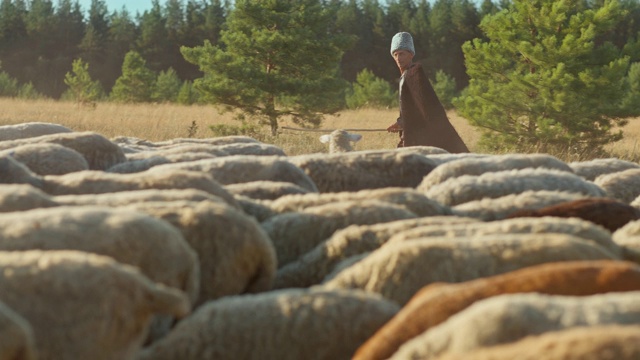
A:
[(8, 86), (276, 59), (137, 81), (167, 87), (187, 95), (371, 91), (543, 82)]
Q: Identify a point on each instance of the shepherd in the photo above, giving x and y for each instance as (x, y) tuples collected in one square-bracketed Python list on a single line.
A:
[(422, 120)]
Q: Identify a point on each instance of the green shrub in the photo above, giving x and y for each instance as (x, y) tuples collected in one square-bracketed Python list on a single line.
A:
[(370, 91)]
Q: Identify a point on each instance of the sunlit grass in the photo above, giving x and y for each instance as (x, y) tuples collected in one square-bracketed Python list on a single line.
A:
[(158, 122)]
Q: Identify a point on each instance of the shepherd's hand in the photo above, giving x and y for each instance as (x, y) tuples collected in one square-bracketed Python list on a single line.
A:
[(394, 128)]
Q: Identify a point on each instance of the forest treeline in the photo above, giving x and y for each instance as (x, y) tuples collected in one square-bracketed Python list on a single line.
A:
[(40, 39)]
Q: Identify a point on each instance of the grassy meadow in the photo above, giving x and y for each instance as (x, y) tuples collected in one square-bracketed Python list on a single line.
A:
[(158, 122)]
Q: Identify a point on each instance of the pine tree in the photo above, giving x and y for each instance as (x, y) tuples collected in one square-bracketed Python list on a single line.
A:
[(278, 59), (136, 82), (167, 86), (371, 91), (542, 82), (83, 89)]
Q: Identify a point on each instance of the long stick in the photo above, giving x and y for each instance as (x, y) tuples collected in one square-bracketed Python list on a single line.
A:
[(327, 130)]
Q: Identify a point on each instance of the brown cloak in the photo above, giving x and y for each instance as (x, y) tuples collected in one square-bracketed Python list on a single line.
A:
[(422, 116)]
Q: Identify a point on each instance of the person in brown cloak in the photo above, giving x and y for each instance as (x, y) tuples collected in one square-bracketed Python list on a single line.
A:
[(423, 120)]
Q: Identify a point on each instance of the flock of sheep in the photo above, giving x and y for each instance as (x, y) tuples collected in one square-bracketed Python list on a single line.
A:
[(227, 248)]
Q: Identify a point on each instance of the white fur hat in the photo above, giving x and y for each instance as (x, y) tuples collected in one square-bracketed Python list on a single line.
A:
[(402, 41)]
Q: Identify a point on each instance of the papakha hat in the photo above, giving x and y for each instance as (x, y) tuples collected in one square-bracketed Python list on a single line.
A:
[(402, 41)]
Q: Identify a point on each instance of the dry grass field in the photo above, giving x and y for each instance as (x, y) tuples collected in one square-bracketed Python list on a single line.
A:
[(157, 122)]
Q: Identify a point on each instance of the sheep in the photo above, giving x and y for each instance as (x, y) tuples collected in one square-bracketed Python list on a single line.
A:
[(236, 255), (628, 236), (409, 198), (435, 303), (508, 318), (20, 197), (150, 152), (99, 152), (249, 148), (123, 198), (489, 209), (608, 213), (279, 324), (134, 166), (243, 168), (265, 190), (48, 159), (360, 170), (424, 150), (583, 229), (619, 342), (82, 305), (592, 169), (623, 185), (16, 336), (221, 140), (467, 188), (99, 182), (481, 165), (127, 236), (340, 141), (30, 129), (310, 268), (255, 208), (296, 233), (418, 263)]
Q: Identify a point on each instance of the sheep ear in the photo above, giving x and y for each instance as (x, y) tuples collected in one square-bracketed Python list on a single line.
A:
[(325, 138), (355, 137)]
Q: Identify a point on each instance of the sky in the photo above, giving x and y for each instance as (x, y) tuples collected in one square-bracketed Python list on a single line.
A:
[(133, 6)]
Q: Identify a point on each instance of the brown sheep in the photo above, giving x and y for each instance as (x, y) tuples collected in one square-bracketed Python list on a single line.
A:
[(435, 303)]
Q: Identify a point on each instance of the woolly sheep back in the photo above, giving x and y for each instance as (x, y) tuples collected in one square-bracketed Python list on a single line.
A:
[(623, 185), (620, 342), (30, 129), (359, 170), (467, 188), (48, 159), (265, 190), (419, 263), (276, 325), (310, 268), (592, 169), (435, 303), (481, 165), (507, 318), (108, 304), (20, 197), (99, 152), (296, 233), (134, 166), (122, 198)]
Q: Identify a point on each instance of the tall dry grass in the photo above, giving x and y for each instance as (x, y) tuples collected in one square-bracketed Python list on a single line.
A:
[(157, 122)]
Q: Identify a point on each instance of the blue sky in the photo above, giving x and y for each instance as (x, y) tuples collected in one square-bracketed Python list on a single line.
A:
[(132, 6)]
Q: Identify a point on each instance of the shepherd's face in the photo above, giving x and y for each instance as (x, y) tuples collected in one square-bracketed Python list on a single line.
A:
[(403, 58)]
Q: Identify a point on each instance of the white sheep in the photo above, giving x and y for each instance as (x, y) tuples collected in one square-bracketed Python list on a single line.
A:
[(244, 168), (123, 198), (266, 190), (508, 318), (255, 208), (30, 129), (489, 209), (340, 141), (16, 336), (154, 246), (591, 169), (597, 342), (295, 233), (310, 268), (99, 182), (133, 166), (99, 152), (572, 226), (623, 185), (359, 170), (82, 305), (481, 165), (48, 159), (284, 324), (409, 198), (221, 140), (20, 197), (236, 255), (397, 271), (468, 188)]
